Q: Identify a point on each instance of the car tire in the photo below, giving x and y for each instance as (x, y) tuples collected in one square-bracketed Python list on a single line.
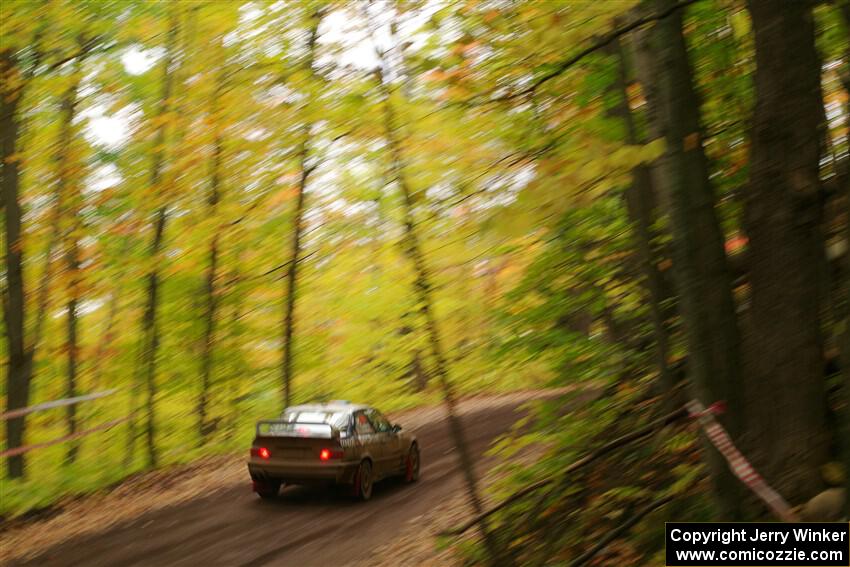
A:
[(363, 481), (267, 489), (412, 464)]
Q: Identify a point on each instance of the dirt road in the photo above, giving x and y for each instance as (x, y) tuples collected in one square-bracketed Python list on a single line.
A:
[(305, 527)]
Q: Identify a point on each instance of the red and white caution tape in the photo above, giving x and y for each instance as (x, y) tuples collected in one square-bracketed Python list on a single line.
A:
[(737, 462)]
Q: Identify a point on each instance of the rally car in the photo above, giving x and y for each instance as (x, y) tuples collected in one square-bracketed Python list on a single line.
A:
[(336, 443)]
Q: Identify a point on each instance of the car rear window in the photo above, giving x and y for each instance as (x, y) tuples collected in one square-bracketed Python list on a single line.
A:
[(338, 420)]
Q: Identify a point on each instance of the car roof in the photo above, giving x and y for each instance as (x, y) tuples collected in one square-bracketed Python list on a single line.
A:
[(333, 406)]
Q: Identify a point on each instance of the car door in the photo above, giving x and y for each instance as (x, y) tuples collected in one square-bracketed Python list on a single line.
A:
[(389, 441), (369, 439)]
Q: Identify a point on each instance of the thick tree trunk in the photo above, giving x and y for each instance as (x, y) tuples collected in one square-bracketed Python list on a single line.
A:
[(845, 362), (699, 260), (21, 355), (19, 367), (641, 206), (844, 337), (783, 214), (297, 231)]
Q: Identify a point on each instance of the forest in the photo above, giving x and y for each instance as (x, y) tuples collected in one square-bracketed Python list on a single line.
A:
[(213, 209)]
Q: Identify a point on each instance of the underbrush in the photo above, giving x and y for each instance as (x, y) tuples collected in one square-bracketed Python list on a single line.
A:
[(611, 510)]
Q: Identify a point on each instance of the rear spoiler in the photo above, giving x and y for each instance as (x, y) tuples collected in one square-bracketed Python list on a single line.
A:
[(283, 428)]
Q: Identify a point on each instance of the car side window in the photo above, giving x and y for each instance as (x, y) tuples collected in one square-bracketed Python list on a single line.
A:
[(346, 426), (362, 425), (382, 425)]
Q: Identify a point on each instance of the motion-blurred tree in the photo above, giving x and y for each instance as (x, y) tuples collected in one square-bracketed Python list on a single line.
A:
[(204, 202)]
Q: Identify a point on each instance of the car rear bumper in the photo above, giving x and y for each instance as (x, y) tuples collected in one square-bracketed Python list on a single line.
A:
[(303, 473)]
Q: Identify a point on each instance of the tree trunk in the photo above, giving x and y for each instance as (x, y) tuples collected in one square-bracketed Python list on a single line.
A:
[(423, 289), (699, 260), (292, 275), (418, 373), (19, 368), (783, 214), (297, 230), (844, 337), (641, 204), (844, 270), (209, 337), (68, 205), (151, 339), (73, 356), (212, 267), (150, 329)]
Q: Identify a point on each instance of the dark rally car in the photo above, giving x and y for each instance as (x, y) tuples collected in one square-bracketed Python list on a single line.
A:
[(335, 443)]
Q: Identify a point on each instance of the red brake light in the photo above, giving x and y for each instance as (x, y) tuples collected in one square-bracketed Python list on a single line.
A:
[(261, 452), (328, 454)]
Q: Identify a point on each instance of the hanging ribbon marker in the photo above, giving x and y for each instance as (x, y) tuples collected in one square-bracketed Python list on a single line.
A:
[(737, 462)]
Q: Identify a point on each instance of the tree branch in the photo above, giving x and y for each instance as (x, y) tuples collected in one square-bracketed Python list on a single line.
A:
[(597, 45)]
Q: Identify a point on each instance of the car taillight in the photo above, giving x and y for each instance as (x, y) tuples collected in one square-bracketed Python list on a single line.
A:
[(261, 452), (328, 454)]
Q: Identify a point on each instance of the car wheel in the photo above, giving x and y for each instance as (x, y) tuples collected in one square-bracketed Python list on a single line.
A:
[(411, 464), (363, 481), (267, 489)]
